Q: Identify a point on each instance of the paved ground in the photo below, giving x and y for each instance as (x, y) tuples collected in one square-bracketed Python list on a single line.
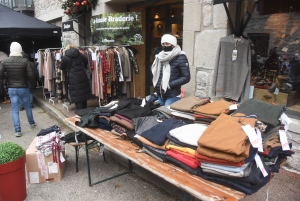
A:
[(74, 186)]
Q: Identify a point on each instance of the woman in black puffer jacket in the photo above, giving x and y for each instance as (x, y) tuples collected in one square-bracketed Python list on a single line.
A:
[(170, 71), (79, 86)]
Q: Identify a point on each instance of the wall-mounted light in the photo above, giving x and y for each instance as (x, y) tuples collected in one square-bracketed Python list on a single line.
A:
[(156, 14), (172, 14)]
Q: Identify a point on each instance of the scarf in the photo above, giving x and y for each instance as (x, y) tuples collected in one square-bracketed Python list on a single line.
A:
[(163, 59)]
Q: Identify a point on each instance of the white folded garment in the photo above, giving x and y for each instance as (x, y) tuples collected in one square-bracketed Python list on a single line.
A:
[(189, 133)]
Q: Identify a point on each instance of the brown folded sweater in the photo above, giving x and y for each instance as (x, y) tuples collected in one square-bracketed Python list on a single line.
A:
[(214, 108), (122, 122), (187, 104)]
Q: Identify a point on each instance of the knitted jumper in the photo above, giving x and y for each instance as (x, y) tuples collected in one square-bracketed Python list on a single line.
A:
[(231, 79)]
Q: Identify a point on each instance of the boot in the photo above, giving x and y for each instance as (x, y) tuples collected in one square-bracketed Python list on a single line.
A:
[(6, 101)]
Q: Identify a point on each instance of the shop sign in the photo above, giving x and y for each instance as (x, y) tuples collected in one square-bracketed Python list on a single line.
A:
[(67, 26), (117, 29)]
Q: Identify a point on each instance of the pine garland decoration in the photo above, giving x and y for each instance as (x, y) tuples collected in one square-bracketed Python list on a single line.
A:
[(76, 7)]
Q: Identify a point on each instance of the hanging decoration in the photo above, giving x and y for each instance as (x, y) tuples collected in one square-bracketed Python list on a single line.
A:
[(76, 7)]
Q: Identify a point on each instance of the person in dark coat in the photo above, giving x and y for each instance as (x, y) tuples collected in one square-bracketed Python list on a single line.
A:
[(170, 71), (19, 73), (79, 86), (3, 84), (32, 85)]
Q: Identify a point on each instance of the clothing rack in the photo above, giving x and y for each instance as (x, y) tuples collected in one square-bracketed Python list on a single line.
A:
[(65, 105), (100, 48), (97, 48), (57, 48), (44, 93)]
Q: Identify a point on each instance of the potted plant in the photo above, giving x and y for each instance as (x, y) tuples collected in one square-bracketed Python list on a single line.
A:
[(12, 172)]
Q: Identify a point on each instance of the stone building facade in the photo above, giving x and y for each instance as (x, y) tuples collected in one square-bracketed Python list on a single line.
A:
[(203, 25)]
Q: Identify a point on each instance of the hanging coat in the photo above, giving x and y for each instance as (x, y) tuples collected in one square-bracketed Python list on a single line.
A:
[(79, 86)]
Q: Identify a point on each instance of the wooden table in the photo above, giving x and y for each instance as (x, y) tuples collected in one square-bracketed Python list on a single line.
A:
[(192, 185)]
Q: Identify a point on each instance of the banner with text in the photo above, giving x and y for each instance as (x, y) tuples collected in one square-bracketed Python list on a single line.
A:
[(117, 29)]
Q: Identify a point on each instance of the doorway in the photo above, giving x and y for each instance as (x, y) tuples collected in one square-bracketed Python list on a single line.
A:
[(161, 19)]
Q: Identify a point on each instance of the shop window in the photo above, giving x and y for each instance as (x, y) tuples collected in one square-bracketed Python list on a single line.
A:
[(162, 19), (157, 13), (266, 7)]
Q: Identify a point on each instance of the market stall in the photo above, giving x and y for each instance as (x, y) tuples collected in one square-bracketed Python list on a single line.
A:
[(31, 33)]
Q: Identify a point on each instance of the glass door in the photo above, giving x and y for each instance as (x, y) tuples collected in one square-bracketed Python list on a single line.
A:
[(162, 19)]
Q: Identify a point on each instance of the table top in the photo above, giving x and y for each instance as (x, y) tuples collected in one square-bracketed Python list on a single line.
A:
[(194, 185)]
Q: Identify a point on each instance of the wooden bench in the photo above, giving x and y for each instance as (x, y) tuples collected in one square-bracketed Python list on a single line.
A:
[(192, 185)]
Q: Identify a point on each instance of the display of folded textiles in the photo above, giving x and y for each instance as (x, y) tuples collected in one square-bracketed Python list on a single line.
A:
[(151, 144), (189, 103), (104, 123), (220, 149), (119, 133), (267, 113), (203, 119), (183, 115), (142, 124), (225, 134), (156, 153), (117, 120), (214, 109), (162, 112), (174, 141), (228, 171), (192, 133), (184, 150), (48, 140), (184, 158), (147, 151), (158, 133)]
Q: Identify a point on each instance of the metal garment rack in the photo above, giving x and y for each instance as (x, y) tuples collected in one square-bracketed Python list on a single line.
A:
[(99, 88), (44, 93), (98, 48), (102, 48)]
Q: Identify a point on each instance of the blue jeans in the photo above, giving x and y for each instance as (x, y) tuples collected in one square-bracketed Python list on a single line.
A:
[(17, 94), (168, 101), (30, 98)]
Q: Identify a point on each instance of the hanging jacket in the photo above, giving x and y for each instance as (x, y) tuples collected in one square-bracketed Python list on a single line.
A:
[(79, 86)]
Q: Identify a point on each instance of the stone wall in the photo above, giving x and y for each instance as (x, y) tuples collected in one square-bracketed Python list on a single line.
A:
[(203, 26), (51, 11), (48, 10)]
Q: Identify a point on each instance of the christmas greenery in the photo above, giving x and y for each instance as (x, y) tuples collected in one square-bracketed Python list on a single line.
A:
[(76, 7), (10, 151)]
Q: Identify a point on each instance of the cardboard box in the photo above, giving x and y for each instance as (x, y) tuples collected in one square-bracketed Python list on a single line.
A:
[(41, 168)]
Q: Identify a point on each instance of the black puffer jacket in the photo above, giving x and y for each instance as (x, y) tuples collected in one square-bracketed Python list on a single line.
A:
[(79, 86), (180, 75), (18, 70)]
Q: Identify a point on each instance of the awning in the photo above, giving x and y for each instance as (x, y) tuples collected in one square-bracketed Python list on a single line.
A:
[(14, 23), (31, 33)]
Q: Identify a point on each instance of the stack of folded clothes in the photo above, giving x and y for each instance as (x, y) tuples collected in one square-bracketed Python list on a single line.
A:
[(120, 125), (156, 136), (205, 138), (182, 146), (210, 111), (184, 107)]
